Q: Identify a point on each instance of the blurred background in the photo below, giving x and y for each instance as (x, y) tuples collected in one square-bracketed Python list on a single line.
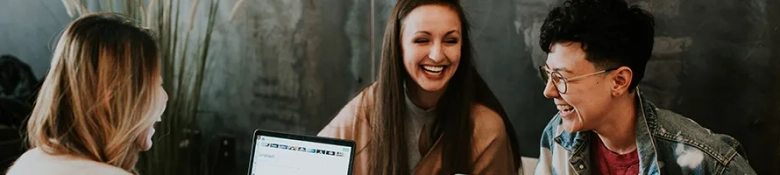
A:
[(233, 66)]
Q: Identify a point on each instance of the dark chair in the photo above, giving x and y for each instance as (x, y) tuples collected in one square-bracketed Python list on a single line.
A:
[(11, 144), (18, 88)]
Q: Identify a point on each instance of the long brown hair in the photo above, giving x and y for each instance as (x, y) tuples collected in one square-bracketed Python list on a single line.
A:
[(98, 97), (388, 112)]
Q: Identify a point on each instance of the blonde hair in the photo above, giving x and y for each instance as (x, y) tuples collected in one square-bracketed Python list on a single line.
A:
[(98, 97)]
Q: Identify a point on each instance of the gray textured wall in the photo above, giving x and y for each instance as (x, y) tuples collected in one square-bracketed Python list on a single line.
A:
[(285, 66), (29, 28), (290, 65)]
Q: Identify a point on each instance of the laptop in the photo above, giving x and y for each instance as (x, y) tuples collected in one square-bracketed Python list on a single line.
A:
[(281, 153)]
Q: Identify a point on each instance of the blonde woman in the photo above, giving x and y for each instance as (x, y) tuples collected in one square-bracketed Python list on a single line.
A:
[(98, 105)]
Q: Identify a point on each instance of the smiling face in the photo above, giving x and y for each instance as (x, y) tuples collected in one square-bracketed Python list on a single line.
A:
[(431, 43), (585, 102)]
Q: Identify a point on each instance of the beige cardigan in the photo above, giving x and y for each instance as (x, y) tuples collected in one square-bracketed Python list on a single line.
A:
[(35, 162), (491, 153)]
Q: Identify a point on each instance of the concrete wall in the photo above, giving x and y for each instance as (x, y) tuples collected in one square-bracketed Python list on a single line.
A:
[(29, 28), (284, 66), (290, 65)]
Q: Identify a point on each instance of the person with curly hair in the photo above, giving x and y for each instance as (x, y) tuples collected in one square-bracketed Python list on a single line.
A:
[(596, 55)]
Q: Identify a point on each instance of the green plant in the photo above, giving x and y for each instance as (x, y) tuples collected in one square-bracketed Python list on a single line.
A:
[(183, 74)]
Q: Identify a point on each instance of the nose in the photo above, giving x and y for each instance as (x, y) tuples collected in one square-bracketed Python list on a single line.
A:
[(436, 53), (550, 91)]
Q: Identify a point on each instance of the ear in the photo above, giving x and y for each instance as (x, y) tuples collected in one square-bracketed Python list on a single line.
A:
[(621, 80)]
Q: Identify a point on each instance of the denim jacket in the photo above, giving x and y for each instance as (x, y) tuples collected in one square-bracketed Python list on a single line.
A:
[(667, 143)]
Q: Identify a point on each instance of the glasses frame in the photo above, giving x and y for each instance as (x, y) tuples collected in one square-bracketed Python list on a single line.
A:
[(548, 75)]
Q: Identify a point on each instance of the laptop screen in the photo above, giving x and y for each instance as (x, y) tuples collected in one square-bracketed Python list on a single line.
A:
[(276, 155)]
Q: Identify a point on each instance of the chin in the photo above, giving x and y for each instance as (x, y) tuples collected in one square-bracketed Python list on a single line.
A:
[(571, 126), (147, 146), (432, 87)]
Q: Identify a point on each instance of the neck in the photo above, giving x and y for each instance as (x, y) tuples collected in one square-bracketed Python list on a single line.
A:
[(617, 132), (421, 98)]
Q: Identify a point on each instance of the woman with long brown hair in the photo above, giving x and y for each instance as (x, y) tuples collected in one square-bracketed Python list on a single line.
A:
[(429, 112), (97, 107)]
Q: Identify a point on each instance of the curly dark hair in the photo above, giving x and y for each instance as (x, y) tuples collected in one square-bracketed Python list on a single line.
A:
[(612, 34)]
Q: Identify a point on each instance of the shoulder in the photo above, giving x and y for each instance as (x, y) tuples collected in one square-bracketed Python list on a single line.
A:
[(489, 127), (348, 115), (492, 150), (31, 162), (487, 121), (682, 130), (349, 123)]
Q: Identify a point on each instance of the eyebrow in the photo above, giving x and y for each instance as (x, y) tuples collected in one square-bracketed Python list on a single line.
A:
[(429, 33), (423, 32), (451, 32), (559, 69)]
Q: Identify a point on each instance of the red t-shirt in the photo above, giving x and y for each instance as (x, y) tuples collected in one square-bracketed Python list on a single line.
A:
[(606, 162)]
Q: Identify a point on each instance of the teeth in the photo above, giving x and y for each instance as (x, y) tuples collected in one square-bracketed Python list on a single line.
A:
[(434, 68), (565, 107)]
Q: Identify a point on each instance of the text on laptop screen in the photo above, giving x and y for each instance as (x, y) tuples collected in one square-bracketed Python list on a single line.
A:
[(274, 155)]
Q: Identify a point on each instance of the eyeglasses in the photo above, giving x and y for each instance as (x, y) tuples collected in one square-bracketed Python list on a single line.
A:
[(560, 82)]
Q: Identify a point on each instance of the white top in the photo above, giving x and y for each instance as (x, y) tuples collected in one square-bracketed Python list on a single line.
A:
[(418, 118), (35, 162)]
